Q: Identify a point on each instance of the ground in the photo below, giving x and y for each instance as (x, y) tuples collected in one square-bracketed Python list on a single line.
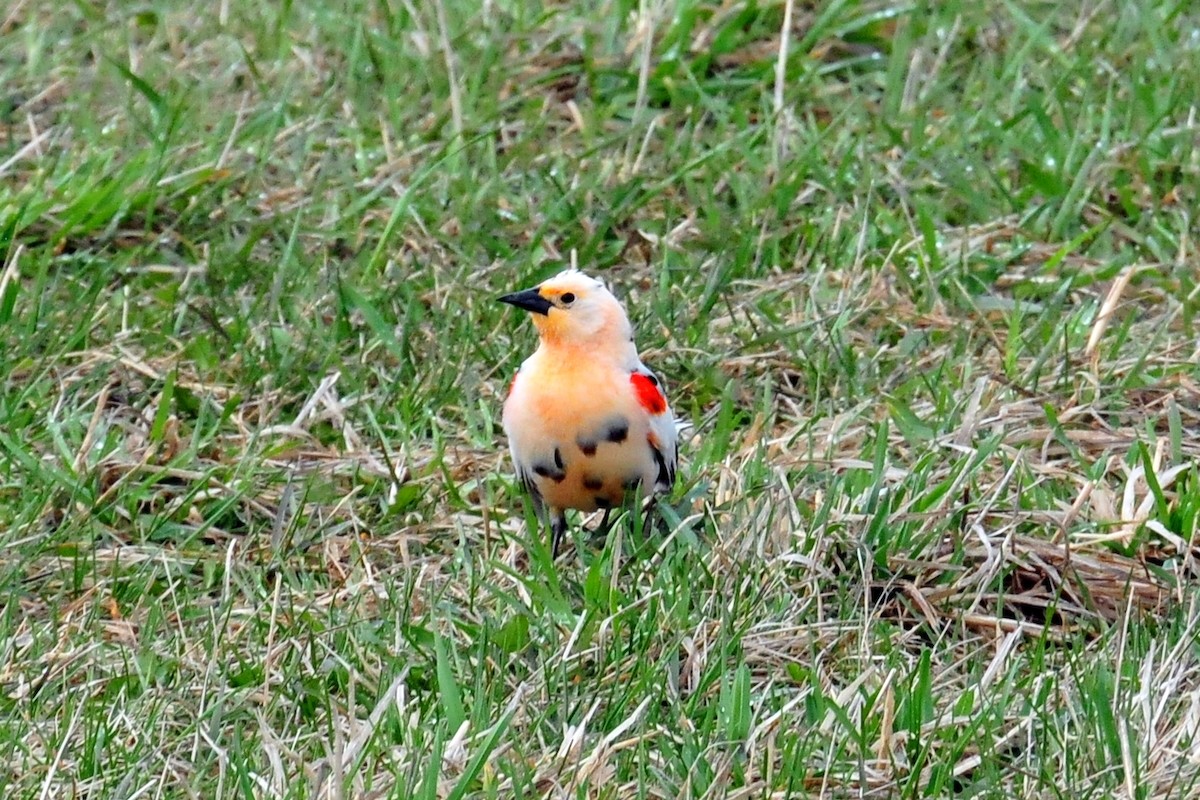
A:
[(923, 276)]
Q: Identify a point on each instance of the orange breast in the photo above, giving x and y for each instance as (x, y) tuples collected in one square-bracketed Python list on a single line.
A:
[(580, 434)]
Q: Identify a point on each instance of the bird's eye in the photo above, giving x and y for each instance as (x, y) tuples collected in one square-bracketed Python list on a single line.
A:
[(567, 299)]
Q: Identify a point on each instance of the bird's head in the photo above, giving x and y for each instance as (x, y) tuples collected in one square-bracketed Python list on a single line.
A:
[(572, 308)]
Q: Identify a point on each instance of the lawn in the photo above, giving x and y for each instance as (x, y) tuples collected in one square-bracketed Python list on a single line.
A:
[(923, 275)]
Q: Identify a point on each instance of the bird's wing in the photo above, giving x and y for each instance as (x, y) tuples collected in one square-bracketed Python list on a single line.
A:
[(664, 437), (524, 470), (525, 475)]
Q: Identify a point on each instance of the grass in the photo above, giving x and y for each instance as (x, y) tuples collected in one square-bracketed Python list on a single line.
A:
[(923, 275)]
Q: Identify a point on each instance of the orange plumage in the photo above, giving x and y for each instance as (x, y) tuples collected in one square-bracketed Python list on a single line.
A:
[(586, 421)]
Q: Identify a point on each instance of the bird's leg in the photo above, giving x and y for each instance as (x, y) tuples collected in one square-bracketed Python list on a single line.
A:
[(558, 528), (602, 530), (651, 505)]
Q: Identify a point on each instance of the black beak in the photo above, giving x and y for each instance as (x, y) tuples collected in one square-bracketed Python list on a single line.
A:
[(529, 300)]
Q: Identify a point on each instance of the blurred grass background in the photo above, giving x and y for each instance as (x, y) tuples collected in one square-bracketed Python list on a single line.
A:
[(923, 274)]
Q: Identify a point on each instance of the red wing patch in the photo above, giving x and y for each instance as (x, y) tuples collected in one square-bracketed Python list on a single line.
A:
[(648, 393)]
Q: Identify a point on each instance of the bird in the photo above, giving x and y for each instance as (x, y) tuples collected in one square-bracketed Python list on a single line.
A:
[(587, 422)]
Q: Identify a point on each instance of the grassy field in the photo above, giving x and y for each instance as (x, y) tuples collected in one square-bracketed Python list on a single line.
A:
[(923, 275)]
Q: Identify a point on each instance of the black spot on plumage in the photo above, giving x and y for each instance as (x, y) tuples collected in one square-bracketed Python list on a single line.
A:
[(558, 461), (602, 502), (587, 446), (554, 474), (618, 431), (653, 378), (592, 483)]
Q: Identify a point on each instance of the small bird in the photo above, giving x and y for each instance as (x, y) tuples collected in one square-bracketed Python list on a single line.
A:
[(587, 422)]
